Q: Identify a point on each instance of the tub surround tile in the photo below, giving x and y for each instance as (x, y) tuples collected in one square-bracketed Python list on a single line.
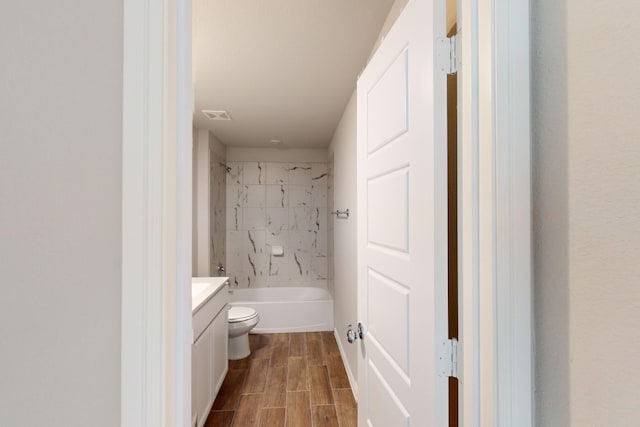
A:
[(300, 174), (275, 202), (255, 242), (277, 196), (277, 220), (240, 281), (278, 270), (235, 240), (300, 218), (319, 179), (255, 268), (319, 195), (277, 173), (254, 173), (319, 242), (299, 269), (299, 195), (319, 172), (319, 219), (254, 196), (319, 267), (234, 176), (235, 262), (235, 196), (254, 218), (300, 241), (278, 239), (234, 219)]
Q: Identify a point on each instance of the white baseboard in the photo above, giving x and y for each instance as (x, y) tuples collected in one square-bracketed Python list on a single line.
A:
[(352, 379)]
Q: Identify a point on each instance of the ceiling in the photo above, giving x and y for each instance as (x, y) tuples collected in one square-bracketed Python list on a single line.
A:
[(283, 69)]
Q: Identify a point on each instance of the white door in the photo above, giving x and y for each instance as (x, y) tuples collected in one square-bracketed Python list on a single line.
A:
[(402, 225)]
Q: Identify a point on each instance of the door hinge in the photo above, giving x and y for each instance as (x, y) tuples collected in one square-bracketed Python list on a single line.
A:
[(449, 354), (446, 54)]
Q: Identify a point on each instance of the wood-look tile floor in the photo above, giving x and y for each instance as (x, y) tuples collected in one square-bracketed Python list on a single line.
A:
[(289, 380)]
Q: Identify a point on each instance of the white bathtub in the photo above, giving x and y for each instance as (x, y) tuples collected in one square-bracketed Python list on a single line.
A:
[(288, 309)]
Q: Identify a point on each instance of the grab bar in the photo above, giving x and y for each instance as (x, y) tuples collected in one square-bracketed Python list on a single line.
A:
[(341, 214)]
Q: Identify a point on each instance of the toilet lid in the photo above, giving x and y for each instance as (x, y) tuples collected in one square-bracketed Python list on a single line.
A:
[(240, 314)]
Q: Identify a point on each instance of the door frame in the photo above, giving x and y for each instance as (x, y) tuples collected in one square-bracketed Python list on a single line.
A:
[(496, 309), (495, 276), (156, 214)]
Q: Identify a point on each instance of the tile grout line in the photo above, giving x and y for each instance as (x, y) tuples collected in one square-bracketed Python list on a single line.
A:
[(306, 362)]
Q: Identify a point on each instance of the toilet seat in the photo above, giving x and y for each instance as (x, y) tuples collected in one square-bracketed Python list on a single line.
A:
[(241, 314)]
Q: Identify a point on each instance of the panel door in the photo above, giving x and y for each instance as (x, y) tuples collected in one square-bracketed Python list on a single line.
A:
[(402, 225)]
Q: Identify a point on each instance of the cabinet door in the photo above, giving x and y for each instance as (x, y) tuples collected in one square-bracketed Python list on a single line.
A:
[(219, 360), (202, 371)]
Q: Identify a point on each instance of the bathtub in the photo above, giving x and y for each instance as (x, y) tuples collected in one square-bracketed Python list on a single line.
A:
[(288, 309)]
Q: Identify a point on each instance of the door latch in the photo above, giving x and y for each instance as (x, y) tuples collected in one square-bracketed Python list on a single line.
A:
[(352, 335)]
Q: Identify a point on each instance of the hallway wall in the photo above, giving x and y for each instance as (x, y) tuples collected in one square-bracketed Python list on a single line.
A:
[(343, 149), (60, 212), (586, 160), (201, 242)]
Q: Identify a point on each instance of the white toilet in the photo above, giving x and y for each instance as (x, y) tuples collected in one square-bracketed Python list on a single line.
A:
[(241, 321)]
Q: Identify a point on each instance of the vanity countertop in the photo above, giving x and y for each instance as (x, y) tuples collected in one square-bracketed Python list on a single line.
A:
[(203, 288)]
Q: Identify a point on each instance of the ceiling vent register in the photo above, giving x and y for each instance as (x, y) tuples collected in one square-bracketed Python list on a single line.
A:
[(216, 114)]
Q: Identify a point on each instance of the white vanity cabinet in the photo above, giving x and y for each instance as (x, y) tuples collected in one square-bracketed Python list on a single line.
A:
[(209, 362)]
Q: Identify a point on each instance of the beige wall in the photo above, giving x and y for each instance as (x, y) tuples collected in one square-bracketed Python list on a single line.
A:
[(194, 204), (254, 154), (60, 210), (586, 158), (343, 149), (202, 186)]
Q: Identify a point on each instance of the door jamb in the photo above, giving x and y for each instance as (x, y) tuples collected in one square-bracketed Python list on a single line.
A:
[(495, 224), (496, 304), (156, 214)]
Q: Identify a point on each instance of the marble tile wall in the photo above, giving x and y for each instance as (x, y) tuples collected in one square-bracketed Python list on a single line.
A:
[(218, 212), (277, 204)]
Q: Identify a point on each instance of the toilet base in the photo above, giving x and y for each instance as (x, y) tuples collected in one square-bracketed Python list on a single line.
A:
[(239, 347)]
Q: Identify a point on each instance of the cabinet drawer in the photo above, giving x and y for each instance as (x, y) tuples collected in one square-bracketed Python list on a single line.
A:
[(205, 315)]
